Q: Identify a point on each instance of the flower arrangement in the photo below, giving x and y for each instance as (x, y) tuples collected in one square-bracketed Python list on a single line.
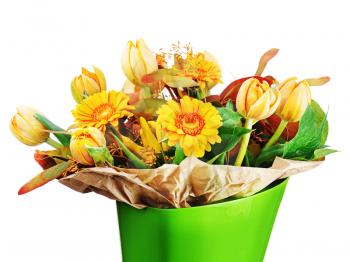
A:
[(165, 117)]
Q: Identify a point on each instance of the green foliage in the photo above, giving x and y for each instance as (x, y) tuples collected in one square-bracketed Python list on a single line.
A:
[(63, 138), (100, 155), (312, 133), (309, 142), (322, 152), (230, 132), (138, 163), (179, 155)]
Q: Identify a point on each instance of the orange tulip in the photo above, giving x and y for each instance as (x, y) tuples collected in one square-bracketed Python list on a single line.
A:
[(81, 139), (87, 84)]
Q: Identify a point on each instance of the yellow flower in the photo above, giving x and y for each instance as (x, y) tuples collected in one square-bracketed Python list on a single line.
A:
[(147, 137), (191, 123), (157, 129), (137, 61), (145, 153), (257, 100), (101, 109), (26, 128), (87, 84), (83, 137), (202, 68), (295, 98)]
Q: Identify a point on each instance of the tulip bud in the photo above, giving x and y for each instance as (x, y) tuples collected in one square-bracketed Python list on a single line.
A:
[(256, 100), (147, 137), (295, 98), (26, 128), (137, 61), (87, 84), (83, 137)]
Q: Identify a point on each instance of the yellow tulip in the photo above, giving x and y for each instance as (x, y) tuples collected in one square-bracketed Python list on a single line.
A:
[(137, 61), (147, 136), (257, 100), (26, 128), (88, 83), (295, 98), (83, 137)]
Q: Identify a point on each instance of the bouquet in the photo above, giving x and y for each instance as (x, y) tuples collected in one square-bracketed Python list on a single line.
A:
[(165, 141)]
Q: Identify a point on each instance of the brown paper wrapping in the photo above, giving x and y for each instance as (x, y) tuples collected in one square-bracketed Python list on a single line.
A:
[(193, 182)]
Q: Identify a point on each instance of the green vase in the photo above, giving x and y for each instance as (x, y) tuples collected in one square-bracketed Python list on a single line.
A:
[(236, 230)]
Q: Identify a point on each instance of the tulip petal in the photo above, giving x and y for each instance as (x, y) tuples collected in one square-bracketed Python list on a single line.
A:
[(148, 58), (126, 63), (318, 81), (266, 57), (101, 78), (260, 109), (241, 99)]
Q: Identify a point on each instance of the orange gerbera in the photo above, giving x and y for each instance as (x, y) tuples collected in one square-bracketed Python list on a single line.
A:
[(191, 123), (101, 109)]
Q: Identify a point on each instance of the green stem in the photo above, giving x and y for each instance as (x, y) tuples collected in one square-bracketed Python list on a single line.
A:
[(277, 134), (53, 143), (138, 163), (245, 141)]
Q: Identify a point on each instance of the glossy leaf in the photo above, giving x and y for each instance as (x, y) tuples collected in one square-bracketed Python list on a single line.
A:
[(322, 152), (62, 137), (312, 133), (179, 155), (100, 155)]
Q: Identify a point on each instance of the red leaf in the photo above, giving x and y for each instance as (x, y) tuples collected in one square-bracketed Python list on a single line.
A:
[(44, 160)]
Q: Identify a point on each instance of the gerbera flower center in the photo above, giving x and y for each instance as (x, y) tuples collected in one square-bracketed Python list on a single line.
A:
[(103, 111), (190, 123)]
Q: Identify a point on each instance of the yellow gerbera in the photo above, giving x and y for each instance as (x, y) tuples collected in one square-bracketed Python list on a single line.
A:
[(201, 67), (101, 109), (191, 123)]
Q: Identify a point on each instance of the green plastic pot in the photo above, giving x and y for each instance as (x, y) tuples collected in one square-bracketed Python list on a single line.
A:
[(236, 230)]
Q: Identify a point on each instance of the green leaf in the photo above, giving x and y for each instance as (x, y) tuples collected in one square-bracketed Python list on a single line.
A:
[(45, 177), (267, 156), (322, 152), (100, 155), (217, 157), (249, 159), (179, 155), (229, 140), (229, 104), (230, 119), (311, 135), (63, 138), (138, 163), (230, 132)]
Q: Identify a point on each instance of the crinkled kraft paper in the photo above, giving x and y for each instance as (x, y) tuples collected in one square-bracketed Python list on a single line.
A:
[(193, 182)]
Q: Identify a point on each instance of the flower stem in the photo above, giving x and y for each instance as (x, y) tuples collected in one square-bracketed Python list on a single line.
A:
[(138, 163), (244, 145), (277, 134), (53, 143)]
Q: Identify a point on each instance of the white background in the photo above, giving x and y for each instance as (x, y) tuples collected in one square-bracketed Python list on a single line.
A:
[(43, 44)]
